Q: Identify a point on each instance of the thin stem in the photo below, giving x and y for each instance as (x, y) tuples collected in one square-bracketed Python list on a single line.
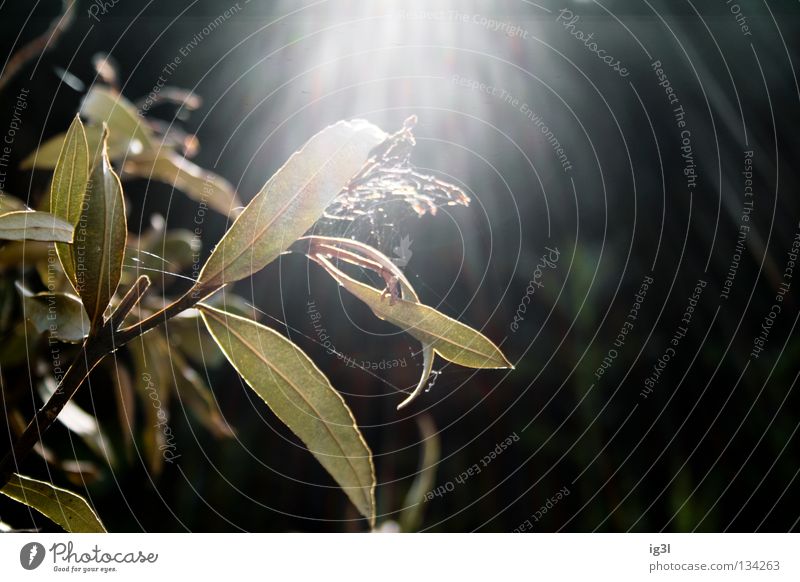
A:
[(38, 45), (186, 301), (95, 348), (84, 362), (130, 300)]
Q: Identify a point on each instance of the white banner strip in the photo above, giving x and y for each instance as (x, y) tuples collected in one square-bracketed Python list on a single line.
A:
[(389, 557)]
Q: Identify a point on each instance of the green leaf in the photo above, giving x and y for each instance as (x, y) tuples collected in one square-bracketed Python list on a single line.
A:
[(189, 334), (195, 395), (360, 254), (291, 201), (125, 398), (60, 315), (46, 156), (68, 188), (153, 383), (67, 509), (33, 225), (171, 251), (199, 184), (100, 237), (302, 398), (103, 104), (451, 339), (364, 255), (78, 421)]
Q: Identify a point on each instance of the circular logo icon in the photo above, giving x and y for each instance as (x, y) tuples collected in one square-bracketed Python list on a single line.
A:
[(31, 555)]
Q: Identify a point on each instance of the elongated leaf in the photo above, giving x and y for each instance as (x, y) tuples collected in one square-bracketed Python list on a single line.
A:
[(201, 185), (125, 398), (154, 386), (198, 398), (451, 339), (356, 252), (68, 188), (79, 421), (67, 509), (189, 334), (100, 237), (16, 253), (46, 156), (103, 104), (32, 225), (60, 315), (302, 398), (291, 201)]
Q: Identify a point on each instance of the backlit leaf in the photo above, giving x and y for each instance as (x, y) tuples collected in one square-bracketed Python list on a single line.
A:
[(302, 398), (59, 315), (153, 384), (67, 509), (100, 237), (291, 201), (33, 225), (103, 104), (451, 339), (79, 421), (360, 253), (68, 188), (46, 156), (195, 395), (199, 184)]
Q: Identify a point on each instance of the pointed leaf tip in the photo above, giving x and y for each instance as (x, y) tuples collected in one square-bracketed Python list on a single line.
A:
[(301, 397)]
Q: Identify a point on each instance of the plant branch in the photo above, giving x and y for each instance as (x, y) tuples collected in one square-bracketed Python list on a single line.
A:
[(191, 298), (130, 300), (84, 362), (38, 45), (95, 348)]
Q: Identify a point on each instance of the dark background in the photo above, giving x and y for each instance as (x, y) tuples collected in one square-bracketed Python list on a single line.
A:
[(713, 448)]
